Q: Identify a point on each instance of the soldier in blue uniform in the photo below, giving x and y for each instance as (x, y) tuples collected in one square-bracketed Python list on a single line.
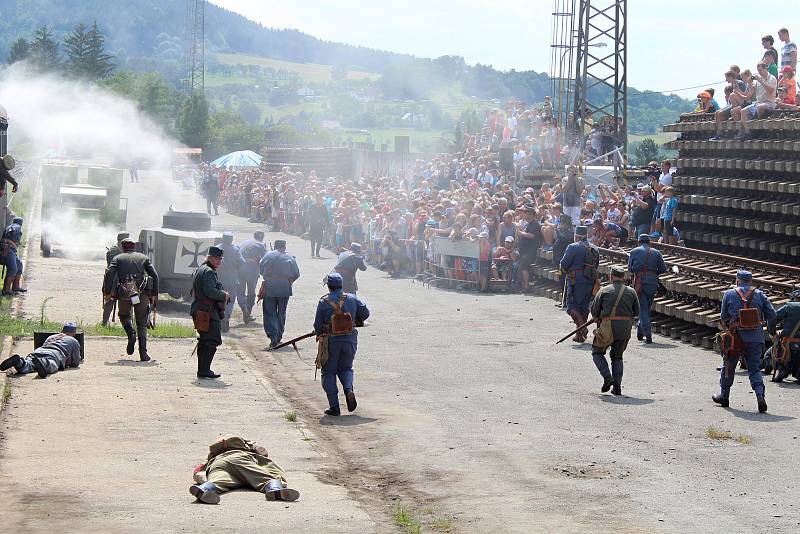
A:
[(11, 239), (789, 315), (349, 262), (341, 346), (252, 251), (579, 265), (646, 264), (734, 300), (280, 271), (228, 276)]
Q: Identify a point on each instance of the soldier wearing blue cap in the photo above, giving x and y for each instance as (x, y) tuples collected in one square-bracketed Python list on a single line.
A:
[(786, 346), (253, 251), (9, 243), (228, 276), (646, 264), (338, 313), (58, 352), (208, 311), (748, 326), (279, 270), (579, 264), (349, 262)]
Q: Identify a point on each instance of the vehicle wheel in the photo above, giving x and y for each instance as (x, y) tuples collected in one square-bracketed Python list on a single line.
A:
[(46, 249), (175, 293)]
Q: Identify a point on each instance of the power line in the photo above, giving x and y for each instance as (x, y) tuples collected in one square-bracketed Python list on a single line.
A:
[(642, 93)]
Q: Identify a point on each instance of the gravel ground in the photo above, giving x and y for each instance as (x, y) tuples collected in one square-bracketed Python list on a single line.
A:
[(467, 408)]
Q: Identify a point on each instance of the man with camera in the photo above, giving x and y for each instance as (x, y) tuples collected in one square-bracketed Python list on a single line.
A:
[(644, 205)]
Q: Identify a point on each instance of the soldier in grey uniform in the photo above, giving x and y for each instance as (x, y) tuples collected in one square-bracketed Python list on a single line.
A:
[(133, 282), (618, 304), (228, 275), (209, 297), (349, 262), (58, 352), (252, 251), (113, 252)]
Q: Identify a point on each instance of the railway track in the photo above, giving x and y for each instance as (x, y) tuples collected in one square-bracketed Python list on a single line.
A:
[(692, 300)]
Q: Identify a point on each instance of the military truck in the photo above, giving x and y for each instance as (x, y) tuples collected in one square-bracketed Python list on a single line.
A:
[(80, 206), (177, 248)]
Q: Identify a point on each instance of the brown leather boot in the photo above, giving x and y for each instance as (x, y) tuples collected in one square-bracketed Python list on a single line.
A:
[(7, 287), (16, 288)]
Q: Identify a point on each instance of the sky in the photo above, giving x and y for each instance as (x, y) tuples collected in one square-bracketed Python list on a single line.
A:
[(672, 44)]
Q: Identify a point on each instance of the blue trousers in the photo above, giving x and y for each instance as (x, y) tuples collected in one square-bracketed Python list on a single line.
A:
[(248, 288), (13, 263), (752, 355), (579, 296), (234, 296), (275, 317), (645, 303), (340, 363)]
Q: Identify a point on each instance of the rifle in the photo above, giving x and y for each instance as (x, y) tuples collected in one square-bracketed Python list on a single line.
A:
[(581, 327), (292, 342)]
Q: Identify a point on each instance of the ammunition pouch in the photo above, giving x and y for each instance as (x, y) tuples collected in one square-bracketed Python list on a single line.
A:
[(127, 289), (202, 321), (730, 344), (322, 352)]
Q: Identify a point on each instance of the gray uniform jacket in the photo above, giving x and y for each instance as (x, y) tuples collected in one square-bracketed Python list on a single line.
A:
[(62, 347), (347, 266), (279, 270), (129, 264), (228, 270)]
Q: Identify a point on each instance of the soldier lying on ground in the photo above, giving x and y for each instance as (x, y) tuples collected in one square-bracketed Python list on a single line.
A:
[(234, 462), (58, 352)]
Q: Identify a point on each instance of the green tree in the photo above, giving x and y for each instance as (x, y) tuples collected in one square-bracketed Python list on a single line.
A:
[(229, 132), (250, 112), (20, 50), (76, 47), (99, 63), (45, 50), (194, 127), (647, 151)]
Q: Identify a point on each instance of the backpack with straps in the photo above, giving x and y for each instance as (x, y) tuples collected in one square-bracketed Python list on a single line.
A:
[(342, 321), (749, 318)]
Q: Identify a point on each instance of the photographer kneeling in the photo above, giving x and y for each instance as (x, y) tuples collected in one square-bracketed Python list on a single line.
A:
[(396, 257)]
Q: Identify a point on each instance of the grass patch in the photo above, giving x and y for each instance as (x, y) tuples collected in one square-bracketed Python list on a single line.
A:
[(290, 416), (441, 524), (403, 517), (171, 329), (17, 327), (713, 433), (6, 394)]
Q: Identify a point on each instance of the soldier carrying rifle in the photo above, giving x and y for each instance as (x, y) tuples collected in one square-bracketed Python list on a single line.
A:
[(208, 311)]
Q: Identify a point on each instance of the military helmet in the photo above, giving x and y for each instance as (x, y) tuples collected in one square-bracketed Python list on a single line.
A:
[(8, 162)]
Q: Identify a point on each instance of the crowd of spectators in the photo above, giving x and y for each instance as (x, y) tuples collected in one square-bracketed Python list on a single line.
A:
[(459, 197), (749, 96)]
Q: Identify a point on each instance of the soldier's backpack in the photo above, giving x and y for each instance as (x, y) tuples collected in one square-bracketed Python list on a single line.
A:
[(342, 321), (749, 318), (230, 443), (591, 260)]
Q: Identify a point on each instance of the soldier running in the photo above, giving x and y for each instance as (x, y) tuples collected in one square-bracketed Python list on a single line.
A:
[(349, 262), (579, 264), (280, 270), (113, 252), (133, 282), (252, 251), (743, 310), (208, 311), (338, 313), (646, 264), (614, 307)]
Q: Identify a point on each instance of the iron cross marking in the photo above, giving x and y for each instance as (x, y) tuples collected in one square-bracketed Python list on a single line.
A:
[(196, 253)]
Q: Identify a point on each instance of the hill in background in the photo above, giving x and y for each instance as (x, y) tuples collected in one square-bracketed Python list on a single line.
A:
[(268, 75)]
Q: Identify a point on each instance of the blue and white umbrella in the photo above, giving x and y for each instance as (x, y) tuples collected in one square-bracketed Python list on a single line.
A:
[(240, 158)]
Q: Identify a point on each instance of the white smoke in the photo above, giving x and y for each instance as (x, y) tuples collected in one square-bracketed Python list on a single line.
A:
[(72, 119)]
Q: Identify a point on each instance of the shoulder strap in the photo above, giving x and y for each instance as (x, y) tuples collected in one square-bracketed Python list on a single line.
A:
[(795, 329), (745, 297), (647, 257), (616, 302)]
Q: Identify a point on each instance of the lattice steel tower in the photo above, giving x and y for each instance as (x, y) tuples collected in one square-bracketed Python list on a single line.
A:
[(601, 60), (195, 47), (562, 58)]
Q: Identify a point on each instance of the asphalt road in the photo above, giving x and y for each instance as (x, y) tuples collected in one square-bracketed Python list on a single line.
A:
[(468, 408)]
